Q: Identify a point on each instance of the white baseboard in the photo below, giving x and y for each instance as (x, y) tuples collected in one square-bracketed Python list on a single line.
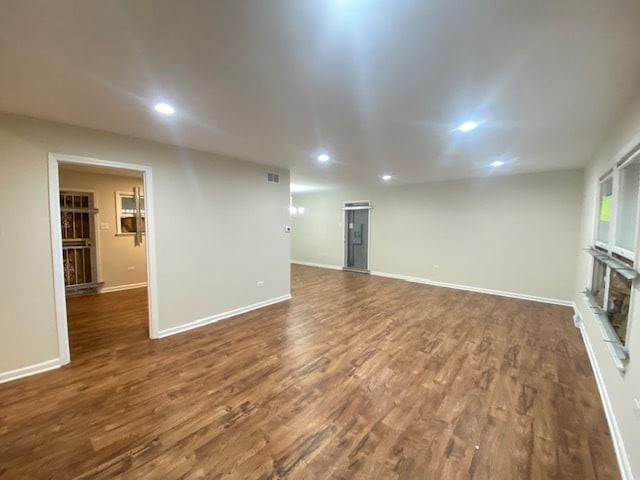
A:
[(426, 281), (616, 435), (221, 316), (521, 296), (118, 288), (319, 265), (30, 370)]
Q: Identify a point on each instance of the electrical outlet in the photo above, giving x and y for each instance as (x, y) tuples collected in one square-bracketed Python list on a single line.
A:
[(104, 226), (436, 266), (260, 283), (636, 408), (130, 269)]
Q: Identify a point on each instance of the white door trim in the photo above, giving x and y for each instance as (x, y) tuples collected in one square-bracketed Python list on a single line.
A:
[(55, 159), (346, 208)]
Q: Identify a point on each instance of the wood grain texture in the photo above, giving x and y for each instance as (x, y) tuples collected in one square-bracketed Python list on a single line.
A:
[(355, 377)]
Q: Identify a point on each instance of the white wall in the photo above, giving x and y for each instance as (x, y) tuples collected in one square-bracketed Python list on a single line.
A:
[(620, 388), (515, 234), (219, 229), (117, 253)]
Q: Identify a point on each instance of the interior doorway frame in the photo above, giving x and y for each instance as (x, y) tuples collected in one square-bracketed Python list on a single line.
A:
[(356, 205), (55, 160)]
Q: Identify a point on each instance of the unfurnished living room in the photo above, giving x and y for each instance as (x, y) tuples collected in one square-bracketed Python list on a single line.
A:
[(319, 239)]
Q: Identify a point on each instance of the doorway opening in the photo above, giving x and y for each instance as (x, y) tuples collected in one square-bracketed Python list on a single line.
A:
[(80, 259), (357, 236)]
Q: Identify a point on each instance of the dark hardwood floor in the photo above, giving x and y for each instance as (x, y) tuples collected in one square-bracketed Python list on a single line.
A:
[(356, 377)]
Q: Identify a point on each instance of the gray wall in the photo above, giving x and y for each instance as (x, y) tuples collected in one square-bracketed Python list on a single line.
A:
[(219, 229), (515, 234)]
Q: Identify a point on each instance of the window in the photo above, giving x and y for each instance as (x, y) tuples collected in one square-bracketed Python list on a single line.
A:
[(614, 252), (604, 215), (126, 213), (627, 217)]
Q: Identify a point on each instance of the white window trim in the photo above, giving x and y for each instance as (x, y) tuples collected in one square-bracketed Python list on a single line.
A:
[(628, 254), (604, 178)]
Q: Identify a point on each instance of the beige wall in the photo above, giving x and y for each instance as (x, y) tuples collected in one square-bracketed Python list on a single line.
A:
[(622, 388), (117, 253), (515, 234), (219, 230)]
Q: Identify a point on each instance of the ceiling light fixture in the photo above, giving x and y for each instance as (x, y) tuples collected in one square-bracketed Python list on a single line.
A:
[(386, 177), (164, 108), (323, 157), (497, 163), (468, 126)]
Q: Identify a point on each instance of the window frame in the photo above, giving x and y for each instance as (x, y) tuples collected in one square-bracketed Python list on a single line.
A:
[(601, 182), (633, 158), (612, 259), (119, 215)]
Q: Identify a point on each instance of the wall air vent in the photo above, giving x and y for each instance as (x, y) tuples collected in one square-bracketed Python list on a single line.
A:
[(273, 178)]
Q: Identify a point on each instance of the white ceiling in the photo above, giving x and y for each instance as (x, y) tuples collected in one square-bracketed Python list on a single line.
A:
[(378, 84)]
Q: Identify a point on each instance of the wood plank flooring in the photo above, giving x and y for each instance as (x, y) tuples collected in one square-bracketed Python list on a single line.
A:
[(355, 377)]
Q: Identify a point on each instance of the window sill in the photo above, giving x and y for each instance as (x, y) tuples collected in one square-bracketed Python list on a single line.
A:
[(622, 268), (618, 351)]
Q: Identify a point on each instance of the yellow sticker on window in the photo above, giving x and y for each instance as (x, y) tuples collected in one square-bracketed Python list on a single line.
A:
[(605, 209)]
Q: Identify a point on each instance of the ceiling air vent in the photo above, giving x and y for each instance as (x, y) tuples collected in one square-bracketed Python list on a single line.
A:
[(273, 178)]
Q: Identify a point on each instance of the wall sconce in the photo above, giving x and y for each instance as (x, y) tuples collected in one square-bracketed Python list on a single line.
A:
[(294, 210)]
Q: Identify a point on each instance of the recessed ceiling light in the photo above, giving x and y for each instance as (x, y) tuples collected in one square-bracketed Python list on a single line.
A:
[(323, 157), (164, 108), (468, 126), (386, 177), (497, 163)]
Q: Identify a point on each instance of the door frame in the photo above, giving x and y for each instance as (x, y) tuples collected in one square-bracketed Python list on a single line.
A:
[(356, 205), (96, 221), (55, 160)]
